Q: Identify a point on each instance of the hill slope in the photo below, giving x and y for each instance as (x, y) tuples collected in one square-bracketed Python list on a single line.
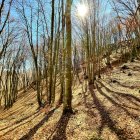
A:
[(111, 111)]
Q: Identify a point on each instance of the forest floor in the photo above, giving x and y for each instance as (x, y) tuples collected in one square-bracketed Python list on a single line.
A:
[(108, 111)]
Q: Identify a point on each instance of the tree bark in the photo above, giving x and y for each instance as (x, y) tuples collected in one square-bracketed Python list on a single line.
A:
[(67, 107)]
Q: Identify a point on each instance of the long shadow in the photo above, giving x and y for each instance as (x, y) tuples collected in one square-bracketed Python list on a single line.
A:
[(129, 97), (19, 121), (120, 100), (130, 87), (60, 130), (32, 131), (14, 112), (115, 103), (117, 95), (19, 125), (106, 119), (11, 113), (135, 69)]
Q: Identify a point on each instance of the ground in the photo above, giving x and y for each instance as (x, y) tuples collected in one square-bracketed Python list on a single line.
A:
[(108, 111)]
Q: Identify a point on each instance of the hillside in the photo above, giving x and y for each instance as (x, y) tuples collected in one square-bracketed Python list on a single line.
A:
[(108, 111), (69, 69)]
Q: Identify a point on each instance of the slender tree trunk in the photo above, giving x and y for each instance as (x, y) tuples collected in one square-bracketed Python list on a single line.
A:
[(37, 82), (67, 107), (50, 56), (62, 58)]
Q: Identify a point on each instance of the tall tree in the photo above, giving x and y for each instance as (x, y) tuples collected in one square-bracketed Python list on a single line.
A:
[(28, 24), (5, 16), (50, 54), (67, 107)]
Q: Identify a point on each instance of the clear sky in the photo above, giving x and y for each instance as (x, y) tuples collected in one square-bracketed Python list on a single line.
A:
[(105, 8), (105, 4)]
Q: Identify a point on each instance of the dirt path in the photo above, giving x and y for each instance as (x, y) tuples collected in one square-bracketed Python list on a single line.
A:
[(109, 112)]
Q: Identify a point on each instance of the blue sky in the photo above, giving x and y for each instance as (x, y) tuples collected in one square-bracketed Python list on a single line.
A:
[(105, 7), (105, 4)]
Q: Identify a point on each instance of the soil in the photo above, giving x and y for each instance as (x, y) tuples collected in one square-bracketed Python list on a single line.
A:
[(108, 111)]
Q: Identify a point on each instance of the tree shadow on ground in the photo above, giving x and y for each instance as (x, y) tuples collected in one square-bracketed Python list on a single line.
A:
[(127, 96), (114, 102), (106, 120), (19, 121), (119, 99), (32, 131), (126, 86), (136, 68), (10, 113), (59, 132), (22, 123)]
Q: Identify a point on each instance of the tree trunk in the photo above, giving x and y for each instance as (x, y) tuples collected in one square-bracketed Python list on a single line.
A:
[(67, 107), (50, 56)]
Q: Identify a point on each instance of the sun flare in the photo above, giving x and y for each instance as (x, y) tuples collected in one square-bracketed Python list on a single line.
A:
[(82, 10)]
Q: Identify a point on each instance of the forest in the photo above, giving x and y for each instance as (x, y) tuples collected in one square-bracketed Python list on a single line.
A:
[(69, 69)]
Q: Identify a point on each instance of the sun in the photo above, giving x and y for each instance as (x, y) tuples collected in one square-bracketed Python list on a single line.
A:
[(82, 10)]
